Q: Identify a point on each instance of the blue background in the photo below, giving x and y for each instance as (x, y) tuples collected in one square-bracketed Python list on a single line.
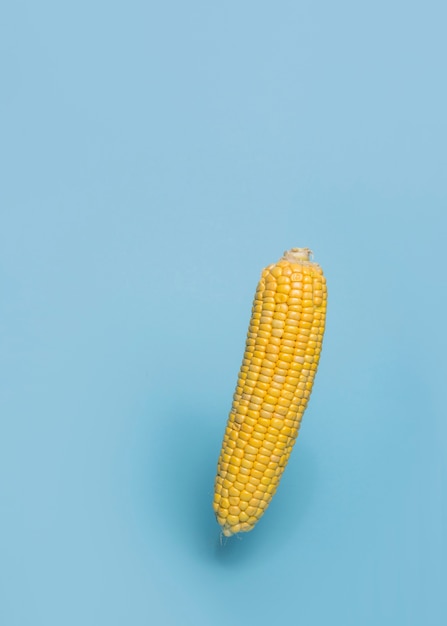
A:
[(154, 157)]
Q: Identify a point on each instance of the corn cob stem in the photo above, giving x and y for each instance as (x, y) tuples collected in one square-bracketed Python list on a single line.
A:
[(275, 381)]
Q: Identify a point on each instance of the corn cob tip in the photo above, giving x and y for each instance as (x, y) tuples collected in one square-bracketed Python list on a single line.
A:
[(298, 255)]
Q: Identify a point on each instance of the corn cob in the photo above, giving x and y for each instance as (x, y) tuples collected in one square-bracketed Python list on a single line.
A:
[(274, 384)]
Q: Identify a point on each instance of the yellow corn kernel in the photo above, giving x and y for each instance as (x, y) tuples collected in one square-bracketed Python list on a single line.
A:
[(275, 380)]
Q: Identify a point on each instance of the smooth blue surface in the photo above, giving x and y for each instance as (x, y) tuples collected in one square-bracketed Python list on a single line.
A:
[(153, 158)]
